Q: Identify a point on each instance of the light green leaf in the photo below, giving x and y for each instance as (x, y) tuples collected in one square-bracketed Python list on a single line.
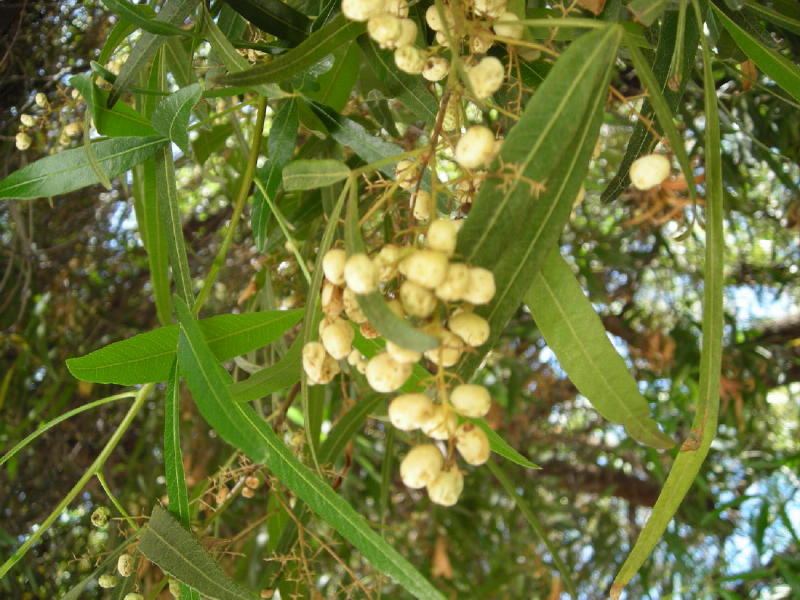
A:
[(120, 121), (575, 333), (178, 554), (514, 222), (499, 446), (171, 117), (271, 379), (647, 11), (308, 174), (70, 170), (147, 357), (335, 85), (242, 427)]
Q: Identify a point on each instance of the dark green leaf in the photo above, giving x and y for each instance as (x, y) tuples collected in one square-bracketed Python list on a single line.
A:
[(146, 357), (208, 142), (335, 85), (70, 170), (171, 117), (647, 11), (274, 17), (499, 446), (120, 121), (271, 379), (309, 174), (143, 16)]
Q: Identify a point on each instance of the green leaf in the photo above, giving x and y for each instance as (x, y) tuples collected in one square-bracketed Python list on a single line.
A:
[(121, 30), (499, 446), (171, 117), (271, 379), (779, 68), (308, 174), (178, 554), (512, 225), (108, 562), (120, 121), (375, 307), (70, 170), (335, 85), (297, 60), (274, 17), (143, 17), (704, 426), (173, 12), (348, 426), (240, 426), (647, 11), (147, 357), (208, 142), (775, 17), (575, 333)]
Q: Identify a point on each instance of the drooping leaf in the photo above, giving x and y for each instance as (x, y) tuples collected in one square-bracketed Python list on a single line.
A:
[(499, 446), (171, 117), (575, 333), (271, 379), (167, 544), (242, 427), (521, 211), (146, 357), (69, 170), (315, 47), (274, 17), (309, 174), (120, 121)]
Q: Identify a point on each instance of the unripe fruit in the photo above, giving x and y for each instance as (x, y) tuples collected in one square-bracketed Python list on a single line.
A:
[(27, 120), (441, 38), (441, 236), (436, 68), (475, 148), (481, 42), (423, 205), (133, 596), (248, 492), (448, 352), (489, 8), (442, 423), (252, 482), (398, 8), (447, 487), (417, 301), (649, 171), (481, 286), (338, 339), (125, 564), (23, 141), (471, 400), (107, 581), (408, 33), (472, 444), (319, 367), (471, 328), (428, 268), (401, 354), (351, 306), (409, 59), (406, 174), (385, 374), (486, 77), (41, 100), (385, 29), (333, 265), (434, 19), (361, 274), (73, 129), (386, 262), (100, 517), (361, 10), (354, 357), (454, 286), (331, 299), (421, 466), (410, 411), (509, 29)]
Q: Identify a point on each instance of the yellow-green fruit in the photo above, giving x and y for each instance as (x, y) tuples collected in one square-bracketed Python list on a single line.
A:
[(472, 444), (421, 466), (471, 400), (447, 487)]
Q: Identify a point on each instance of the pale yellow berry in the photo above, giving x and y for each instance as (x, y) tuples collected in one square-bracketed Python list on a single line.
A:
[(133, 596), (41, 100), (508, 26), (410, 411), (489, 8), (471, 328), (331, 299), (338, 339), (408, 33), (422, 202), (73, 129), (441, 38), (486, 77), (471, 400), (481, 286), (406, 174), (125, 564), (351, 307), (475, 148), (27, 120), (361, 274), (317, 364), (398, 8), (418, 301), (386, 261), (454, 286), (436, 68), (385, 29), (441, 425), (421, 466), (354, 357), (252, 482), (333, 265), (385, 374), (248, 492), (107, 581), (23, 141), (472, 444), (427, 268), (401, 354), (649, 171), (409, 59), (448, 352), (447, 487), (361, 10), (434, 18), (441, 236)]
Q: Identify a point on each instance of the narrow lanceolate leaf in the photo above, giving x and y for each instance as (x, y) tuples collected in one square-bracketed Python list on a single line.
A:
[(271, 379), (167, 544), (308, 174), (297, 60), (575, 333), (146, 357), (144, 17), (120, 121), (522, 209), (704, 426), (243, 428), (171, 117), (274, 17), (779, 68), (380, 316), (647, 11), (70, 170), (173, 12), (335, 85), (499, 446)]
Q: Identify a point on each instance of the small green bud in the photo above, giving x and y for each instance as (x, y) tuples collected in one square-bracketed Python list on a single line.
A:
[(100, 517), (107, 581)]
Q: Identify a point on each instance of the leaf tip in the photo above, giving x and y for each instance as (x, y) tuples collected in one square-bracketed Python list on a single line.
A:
[(616, 591)]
